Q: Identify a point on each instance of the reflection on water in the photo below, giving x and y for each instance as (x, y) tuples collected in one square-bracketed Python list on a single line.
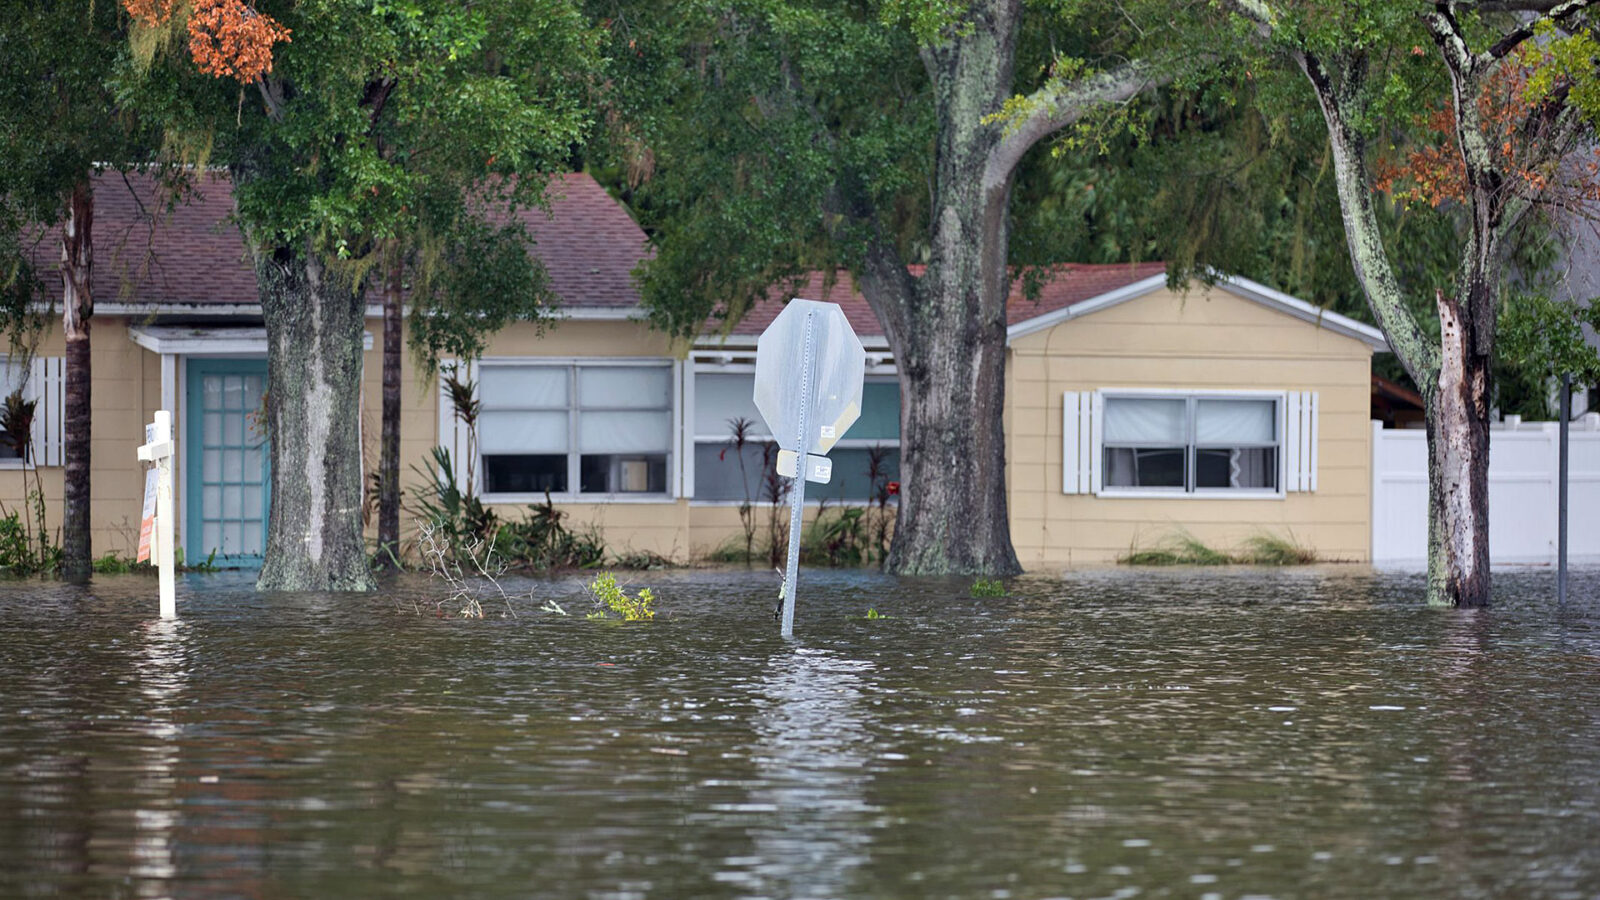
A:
[(160, 674), (811, 778), (1241, 733)]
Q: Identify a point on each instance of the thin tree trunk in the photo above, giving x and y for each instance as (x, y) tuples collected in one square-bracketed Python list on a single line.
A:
[(389, 445), (1458, 469), (77, 304), (314, 321)]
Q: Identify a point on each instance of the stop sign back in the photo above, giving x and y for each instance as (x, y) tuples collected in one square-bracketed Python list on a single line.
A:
[(809, 368), (827, 398)]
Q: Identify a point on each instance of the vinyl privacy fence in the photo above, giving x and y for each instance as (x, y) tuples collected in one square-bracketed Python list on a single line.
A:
[(1523, 466)]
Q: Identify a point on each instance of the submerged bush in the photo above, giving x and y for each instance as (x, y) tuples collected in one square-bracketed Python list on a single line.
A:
[(610, 595), (988, 587), (1272, 550), (1184, 549), (458, 520)]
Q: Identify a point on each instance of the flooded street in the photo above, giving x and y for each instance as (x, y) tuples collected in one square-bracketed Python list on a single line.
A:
[(1285, 733)]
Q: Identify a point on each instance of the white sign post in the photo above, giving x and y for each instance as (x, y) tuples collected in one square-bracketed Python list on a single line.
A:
[(809, 370), (158, 449)]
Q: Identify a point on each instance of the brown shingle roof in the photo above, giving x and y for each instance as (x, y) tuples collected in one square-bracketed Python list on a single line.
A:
[(1066, 284), (194, 257)]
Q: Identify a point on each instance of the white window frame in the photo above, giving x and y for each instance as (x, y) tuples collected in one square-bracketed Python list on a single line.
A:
[(574, 455), (1189, 491), (876, 372), (19, 463), (45, 384)]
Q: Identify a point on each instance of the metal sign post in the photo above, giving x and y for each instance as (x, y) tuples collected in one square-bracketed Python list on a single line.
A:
[(797, 491), (809, 372), (158, 449), (1561, 490)]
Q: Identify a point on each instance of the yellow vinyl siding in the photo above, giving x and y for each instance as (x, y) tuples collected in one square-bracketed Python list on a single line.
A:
[(125, 393), (1200, 340), (1203, 339), (658, 526)]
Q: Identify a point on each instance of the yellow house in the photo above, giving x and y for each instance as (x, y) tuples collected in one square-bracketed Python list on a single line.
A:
[(1132, 410)]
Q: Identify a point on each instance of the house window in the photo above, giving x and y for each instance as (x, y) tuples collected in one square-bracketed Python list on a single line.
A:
[(12, 377), (602, 428), (864, 461), (1188, 444)]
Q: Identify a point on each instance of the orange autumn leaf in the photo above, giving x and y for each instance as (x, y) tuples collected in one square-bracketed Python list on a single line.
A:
[(1435, 173), (150, 13), (228, 38)]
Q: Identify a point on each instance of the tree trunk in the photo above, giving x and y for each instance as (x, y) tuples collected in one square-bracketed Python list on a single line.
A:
[(314, 320), (389, 445), (1453, 374), (77, 305), (948, 330), (1458, 467)]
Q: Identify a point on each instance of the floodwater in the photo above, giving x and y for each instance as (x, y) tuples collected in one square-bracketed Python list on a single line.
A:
[(1239, 733)]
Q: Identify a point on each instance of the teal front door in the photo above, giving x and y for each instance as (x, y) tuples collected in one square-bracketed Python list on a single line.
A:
[(226, 469)]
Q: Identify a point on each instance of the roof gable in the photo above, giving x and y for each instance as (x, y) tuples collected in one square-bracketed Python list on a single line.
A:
[(1239, 287)]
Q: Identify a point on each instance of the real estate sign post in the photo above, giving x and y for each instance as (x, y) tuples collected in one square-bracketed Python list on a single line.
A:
[(809, 371), (158, 450)]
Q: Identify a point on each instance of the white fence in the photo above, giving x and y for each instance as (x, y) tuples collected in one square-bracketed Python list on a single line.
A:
[(1523, 466)]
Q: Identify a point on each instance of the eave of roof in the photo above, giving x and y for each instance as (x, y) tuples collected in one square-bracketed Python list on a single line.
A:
[(1233, 284)]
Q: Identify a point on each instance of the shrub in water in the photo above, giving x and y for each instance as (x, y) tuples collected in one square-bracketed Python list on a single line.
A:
[(988, 587), (609, 594)]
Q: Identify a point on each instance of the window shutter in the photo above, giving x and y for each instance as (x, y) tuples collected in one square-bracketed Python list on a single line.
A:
[(1078, 450), (1092, 423), (683, 428), (1070, 401), (1300, 441), (453, 434), (47, 386)]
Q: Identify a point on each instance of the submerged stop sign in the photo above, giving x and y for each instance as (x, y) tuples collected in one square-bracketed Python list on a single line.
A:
[(809, 369), (831, 402)]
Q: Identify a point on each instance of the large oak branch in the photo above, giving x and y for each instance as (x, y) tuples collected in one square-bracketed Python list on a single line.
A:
[(1061, 103)]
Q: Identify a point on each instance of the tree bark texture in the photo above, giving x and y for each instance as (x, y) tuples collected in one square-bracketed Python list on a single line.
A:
[(1458, 467), (314, 321), (77, 304), (948, 329), (1452, 374), (389, 443)]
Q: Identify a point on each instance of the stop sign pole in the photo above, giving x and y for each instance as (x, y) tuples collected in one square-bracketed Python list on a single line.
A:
[(809, 372), (797, 491)]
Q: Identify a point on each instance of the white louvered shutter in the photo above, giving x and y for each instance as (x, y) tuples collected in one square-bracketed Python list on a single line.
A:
[(1079, 452), (1300, 441), (47, 387)]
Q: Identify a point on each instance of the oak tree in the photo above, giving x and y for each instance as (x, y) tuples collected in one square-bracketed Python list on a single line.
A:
[(348, 127)]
